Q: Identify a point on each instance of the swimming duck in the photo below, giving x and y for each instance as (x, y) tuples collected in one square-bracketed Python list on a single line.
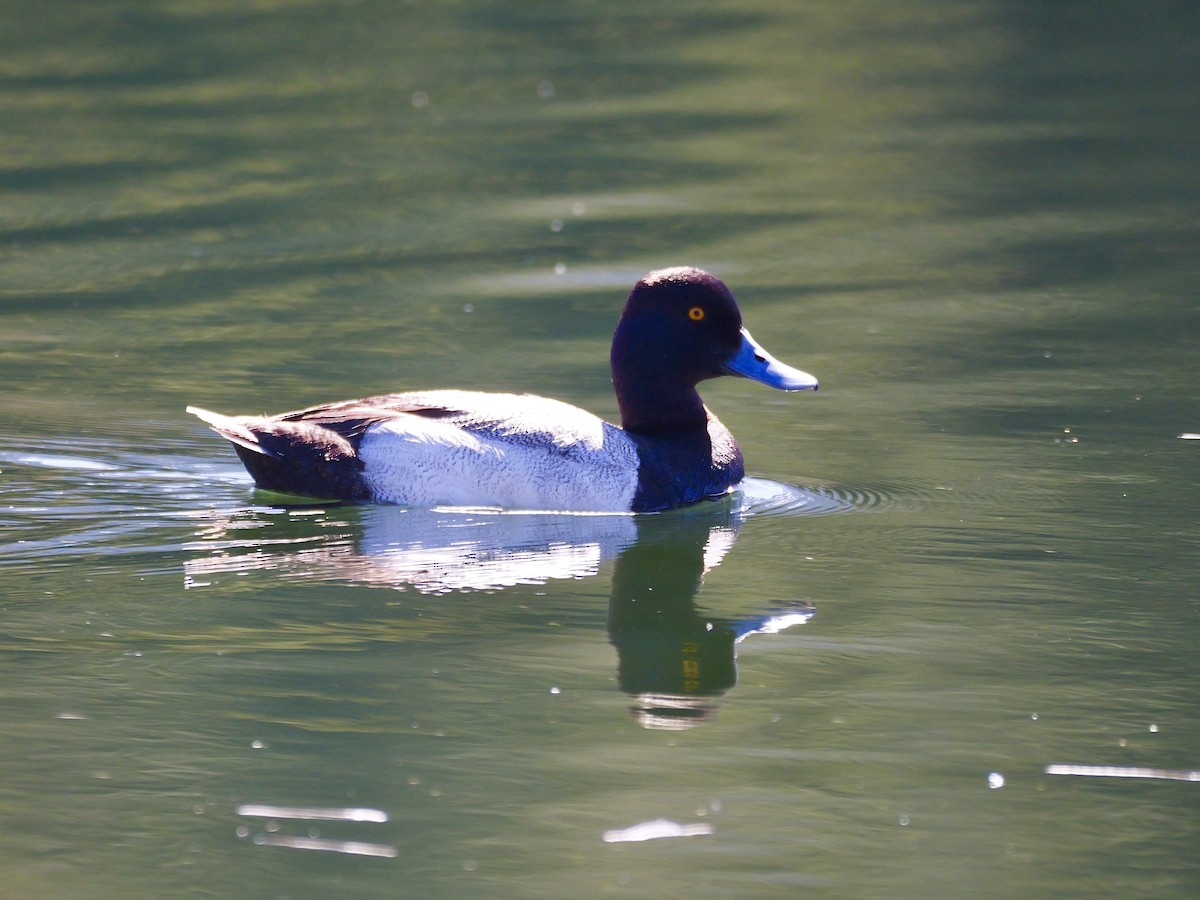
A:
[(680, 326)]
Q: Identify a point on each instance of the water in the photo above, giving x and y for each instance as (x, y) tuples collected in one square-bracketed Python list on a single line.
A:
[(970, 557)]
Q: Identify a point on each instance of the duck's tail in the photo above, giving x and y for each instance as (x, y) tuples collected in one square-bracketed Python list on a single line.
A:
[(291, 457), (231, 428)]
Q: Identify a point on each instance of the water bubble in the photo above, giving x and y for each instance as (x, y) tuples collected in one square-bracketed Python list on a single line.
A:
[(556, 226), (545, 89), (995, 780), (560, 268), (903, 820), (420, 99), (555, 690)]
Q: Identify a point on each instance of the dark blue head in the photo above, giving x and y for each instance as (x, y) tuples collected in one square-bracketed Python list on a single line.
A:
[(682, 326)]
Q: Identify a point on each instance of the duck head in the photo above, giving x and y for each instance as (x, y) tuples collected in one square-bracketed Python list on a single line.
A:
[(681, 326)]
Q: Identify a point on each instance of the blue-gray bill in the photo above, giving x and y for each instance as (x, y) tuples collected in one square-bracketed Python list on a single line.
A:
[(753, 362)]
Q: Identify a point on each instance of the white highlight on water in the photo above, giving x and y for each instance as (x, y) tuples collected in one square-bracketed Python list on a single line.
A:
[(353, 848), (658, 828), (310, 813), (1125, 772)]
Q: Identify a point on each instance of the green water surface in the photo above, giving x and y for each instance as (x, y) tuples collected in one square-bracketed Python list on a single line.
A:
[(975, 222)]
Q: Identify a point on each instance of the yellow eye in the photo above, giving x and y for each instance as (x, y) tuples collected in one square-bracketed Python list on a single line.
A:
[(695, 313)]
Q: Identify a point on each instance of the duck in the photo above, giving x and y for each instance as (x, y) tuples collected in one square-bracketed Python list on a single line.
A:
[(679, 326)]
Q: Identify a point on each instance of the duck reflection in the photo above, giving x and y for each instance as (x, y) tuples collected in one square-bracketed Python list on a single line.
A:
[(433, 551), (674, 659)]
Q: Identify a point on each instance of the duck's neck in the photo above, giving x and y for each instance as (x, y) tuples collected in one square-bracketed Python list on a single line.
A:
[(659, 407), (655, 387)]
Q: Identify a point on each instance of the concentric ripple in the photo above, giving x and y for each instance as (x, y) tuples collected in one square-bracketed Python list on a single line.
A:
[(763, 497)]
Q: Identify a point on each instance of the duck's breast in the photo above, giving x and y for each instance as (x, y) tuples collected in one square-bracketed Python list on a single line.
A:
[(501, 450)]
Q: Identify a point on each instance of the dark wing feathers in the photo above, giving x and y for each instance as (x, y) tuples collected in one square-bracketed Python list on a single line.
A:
[(351, 418)]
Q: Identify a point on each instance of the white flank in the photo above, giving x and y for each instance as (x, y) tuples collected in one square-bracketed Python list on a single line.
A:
[(552, 456)]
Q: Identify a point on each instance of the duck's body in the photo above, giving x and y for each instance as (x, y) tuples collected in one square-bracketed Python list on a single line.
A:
[(472, 448)]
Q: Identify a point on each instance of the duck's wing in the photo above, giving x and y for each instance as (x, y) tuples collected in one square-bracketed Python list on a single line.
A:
[(523, 419), (352, 418), (527, 419)]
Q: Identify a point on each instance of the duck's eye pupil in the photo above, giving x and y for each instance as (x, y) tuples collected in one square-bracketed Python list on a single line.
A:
[(695, 313)]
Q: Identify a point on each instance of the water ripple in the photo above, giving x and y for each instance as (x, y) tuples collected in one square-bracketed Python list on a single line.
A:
[(763, 497)]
